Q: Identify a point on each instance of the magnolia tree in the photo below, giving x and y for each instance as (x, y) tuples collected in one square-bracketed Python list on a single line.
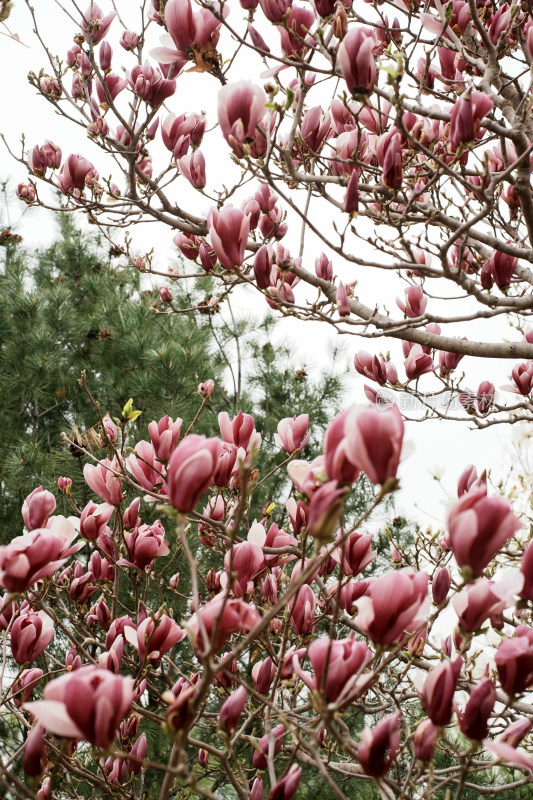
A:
[(367, 132)]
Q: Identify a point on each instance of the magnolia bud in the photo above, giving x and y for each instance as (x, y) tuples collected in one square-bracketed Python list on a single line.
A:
[(65, 486), (206, 388)]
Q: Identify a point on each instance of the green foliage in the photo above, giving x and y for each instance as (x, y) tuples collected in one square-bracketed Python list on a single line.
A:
[(71, 308)]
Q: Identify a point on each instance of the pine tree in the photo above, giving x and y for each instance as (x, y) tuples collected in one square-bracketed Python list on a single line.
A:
[(71, 308)]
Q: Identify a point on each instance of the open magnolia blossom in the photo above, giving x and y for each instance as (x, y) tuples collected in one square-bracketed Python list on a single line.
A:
[(231, 630)]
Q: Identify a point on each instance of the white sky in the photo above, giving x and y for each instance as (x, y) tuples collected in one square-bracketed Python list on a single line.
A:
[(450, 445)]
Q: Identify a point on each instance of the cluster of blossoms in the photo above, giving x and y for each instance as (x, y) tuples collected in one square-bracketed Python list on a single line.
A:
[(279, 634), (304, 608), (384, 152)]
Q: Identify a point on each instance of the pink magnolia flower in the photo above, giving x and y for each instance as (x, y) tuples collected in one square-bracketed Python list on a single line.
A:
[(286, 787), (110, 429), (395, 602), (192, 167), (94, 519), (88, 703), (375, 368), (355, 57), (164, 436), (277, 538), (36, 555), (338, 465), (46, 157), (226, 616), (351, 197), (425, 740), (378, 746), (303, 611), (263, 267), (145, 544), (347, 594), (129, 40), (37, 507), (225, 466), (22, 687), (257, 792), (191, 469), (179, 132), (76, 173), (181, 23), (374, 441), (514, 661), (484, 599), (324, 267), (506, 752), (231, 710), (314, 130), (206, 388), (241, 107), (343, 304), (105, 56), (137, 754), (448, 362), (95, 25), (103, 481), (242, 564), (263, 673), (154, 637), (144, 468), (81, 583), (275, 10), (346, 147), (417, 363), (45, 792), (469, 482), (228, 231), (148, 83), (50, 86), (474, 720), (239, 430), (31, 632), (440, 585), (263, 746), (467, 113), (188, 30), (356, 554), (337, 666), (26, 192), (252, 210), (392, 162), (114, 85), (478, 528), (325, 510), (523, 378), (35, 752), (485, 396), (297, 512), (500, 22), (515, 732), (292, 433), (502, 267), (415, 302), (438, 690)]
